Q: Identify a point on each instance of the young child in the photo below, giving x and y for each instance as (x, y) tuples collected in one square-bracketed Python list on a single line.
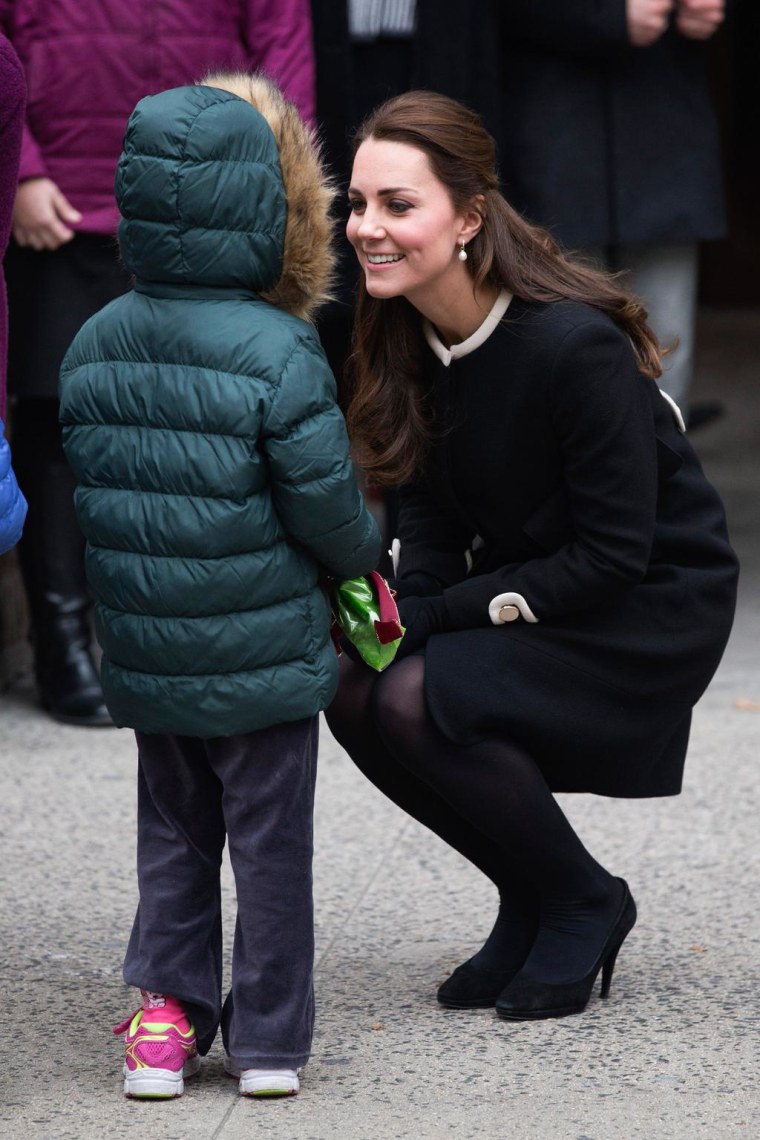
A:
[(215, 490)]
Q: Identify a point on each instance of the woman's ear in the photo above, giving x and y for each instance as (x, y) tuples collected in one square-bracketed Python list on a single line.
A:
[(472, 219)]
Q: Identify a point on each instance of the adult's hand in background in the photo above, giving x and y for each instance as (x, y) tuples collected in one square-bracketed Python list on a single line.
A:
[(42, 215), (699, 19), (647, 20)]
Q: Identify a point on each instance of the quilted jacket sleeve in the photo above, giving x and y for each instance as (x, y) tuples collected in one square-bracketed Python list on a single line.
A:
[(279, 38), (313, 484), (12, 502)]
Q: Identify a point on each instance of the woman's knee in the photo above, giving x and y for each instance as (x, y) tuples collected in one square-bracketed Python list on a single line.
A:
[(398, 704)]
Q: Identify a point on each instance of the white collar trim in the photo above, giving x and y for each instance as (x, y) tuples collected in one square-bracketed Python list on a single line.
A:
[(480, 336)]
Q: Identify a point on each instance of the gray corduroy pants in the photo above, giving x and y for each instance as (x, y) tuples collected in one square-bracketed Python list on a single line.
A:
[(257, 791)]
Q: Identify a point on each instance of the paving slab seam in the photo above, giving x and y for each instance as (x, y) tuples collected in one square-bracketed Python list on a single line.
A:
[(223, 1122)]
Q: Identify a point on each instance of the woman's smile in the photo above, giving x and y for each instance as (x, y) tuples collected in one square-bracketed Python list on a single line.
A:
[(376, 259)]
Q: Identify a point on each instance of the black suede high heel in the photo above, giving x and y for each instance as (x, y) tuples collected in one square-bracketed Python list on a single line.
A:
[(527, 1000), (469, 987)]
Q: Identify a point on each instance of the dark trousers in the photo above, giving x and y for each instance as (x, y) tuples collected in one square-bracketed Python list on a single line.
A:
[(257, 790)]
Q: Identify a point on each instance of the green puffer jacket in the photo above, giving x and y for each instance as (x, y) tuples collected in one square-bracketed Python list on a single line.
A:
[(199, 413)]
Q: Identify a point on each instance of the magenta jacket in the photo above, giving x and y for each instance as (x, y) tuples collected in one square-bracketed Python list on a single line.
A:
[(88, 62), (12, 96)]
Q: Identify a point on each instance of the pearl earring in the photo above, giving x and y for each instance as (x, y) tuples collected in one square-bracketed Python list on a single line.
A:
[(462, 255)]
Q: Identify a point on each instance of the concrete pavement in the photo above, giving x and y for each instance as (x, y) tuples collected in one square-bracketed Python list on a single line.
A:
[(672, 1054)]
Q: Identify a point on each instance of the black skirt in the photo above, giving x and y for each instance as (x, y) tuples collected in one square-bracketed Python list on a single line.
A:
[(602, 701), (585, 733), (51, 293)]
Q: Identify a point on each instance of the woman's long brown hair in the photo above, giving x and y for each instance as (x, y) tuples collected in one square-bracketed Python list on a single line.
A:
[(386, 413)]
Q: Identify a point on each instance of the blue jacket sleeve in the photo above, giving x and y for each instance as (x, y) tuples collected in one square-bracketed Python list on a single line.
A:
[(12, 502)]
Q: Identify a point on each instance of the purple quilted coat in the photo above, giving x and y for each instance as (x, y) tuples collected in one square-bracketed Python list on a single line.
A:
[(88, 62)]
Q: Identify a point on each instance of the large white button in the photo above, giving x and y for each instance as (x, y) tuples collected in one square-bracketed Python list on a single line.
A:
[(508, 613)]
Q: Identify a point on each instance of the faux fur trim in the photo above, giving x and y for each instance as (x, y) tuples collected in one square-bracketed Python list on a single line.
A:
[(308, 257)]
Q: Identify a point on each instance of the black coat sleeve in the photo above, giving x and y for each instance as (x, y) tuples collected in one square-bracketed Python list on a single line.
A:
[(434, 544), (585, 27), (601, 416)]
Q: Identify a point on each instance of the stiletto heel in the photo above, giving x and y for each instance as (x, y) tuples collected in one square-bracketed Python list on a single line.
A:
[(527, 1000), (607, 971)]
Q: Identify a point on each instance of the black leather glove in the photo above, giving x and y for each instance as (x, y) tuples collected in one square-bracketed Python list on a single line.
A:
[(422, 617)]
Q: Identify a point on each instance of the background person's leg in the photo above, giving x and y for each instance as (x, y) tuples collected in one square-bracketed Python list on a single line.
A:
[(51, 293), (51, 557), (665, 278)]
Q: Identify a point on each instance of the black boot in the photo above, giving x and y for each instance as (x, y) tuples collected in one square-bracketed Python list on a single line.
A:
[(51, 556), (67, 677)]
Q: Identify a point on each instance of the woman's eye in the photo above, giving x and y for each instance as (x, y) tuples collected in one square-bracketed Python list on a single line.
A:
[(398, 206), (355, 205)]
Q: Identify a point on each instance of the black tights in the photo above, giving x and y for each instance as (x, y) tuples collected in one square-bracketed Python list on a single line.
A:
[(490, 802), (51, 552)]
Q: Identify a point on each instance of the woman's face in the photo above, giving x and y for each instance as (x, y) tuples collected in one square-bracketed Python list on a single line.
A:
[(403, 224)]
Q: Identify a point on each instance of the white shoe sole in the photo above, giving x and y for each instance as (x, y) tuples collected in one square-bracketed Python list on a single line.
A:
[(264, 1082), (159, 1084)]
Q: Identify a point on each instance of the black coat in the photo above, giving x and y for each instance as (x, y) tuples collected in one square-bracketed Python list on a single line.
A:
[(603, 142), (590, 503)]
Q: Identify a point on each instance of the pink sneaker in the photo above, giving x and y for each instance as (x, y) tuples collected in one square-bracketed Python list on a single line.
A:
[(160, 1050)]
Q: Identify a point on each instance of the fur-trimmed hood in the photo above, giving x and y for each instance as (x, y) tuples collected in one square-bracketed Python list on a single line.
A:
[(221, 185)]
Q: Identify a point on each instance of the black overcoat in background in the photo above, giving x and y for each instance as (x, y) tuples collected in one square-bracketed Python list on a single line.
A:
[(565, 472), (455, 50), (602, 142)]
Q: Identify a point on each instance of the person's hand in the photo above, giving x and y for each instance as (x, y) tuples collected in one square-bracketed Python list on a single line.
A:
[(699, 19), (421, 617), (42, 215), (647, 20)]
